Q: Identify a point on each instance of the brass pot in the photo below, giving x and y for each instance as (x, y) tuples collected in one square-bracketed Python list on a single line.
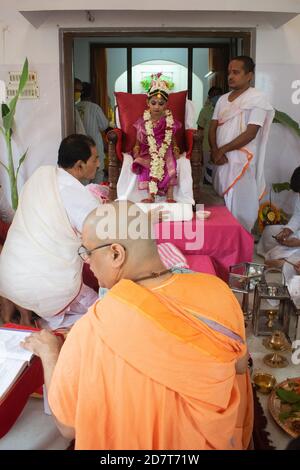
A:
[(278, 340), (264, 382)]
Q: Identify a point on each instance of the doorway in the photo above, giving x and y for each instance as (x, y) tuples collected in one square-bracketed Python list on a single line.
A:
[(193, 61)]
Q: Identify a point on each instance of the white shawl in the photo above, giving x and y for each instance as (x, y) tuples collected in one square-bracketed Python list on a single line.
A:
[(39, 266), (239, 160)]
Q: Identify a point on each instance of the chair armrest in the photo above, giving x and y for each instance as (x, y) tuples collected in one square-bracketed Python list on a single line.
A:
[(194, 153), (114, 137)]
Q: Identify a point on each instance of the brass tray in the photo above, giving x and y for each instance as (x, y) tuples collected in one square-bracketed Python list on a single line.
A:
[(275, 405)]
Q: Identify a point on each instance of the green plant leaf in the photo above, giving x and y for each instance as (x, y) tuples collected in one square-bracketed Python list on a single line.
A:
[(296, 406), (284, 416), (4, 166), (284, 119), (4, 110), (278, 187), (24, 76), (288, 396), (20, 162), (8, 118)]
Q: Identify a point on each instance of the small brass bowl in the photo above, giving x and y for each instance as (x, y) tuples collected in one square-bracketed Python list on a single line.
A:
[(264, 382)]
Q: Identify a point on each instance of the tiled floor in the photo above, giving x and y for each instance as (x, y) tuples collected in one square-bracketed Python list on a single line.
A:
[(209, 197)]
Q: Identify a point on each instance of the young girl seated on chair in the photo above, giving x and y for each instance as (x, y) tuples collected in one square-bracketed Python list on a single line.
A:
[(156, 151)]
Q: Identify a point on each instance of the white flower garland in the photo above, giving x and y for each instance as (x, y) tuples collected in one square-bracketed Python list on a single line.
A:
[(157, 162)]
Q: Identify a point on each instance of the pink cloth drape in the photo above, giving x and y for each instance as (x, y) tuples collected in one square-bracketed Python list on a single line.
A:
[(224, 240)]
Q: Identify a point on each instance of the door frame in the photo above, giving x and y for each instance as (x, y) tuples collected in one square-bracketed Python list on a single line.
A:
[(66, 46)]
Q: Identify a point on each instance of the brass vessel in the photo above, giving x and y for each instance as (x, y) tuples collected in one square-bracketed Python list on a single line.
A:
[(275, 360), (264, 382), (277, 342), (272, 316)]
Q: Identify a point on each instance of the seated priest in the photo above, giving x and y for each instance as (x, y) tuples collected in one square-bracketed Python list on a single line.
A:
[(281, 242), (158, 364), (40, 269), (155, 167), (39, 266)]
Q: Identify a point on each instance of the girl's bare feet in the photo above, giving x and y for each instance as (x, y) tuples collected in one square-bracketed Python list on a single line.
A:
[(148, 200)]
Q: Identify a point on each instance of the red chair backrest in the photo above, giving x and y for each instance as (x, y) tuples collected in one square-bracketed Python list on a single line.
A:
[(131, 107)]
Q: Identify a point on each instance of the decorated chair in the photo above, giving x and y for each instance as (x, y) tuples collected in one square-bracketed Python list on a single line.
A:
[(122, 139)]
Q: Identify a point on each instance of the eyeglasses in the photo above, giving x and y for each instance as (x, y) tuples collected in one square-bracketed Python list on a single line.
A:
[(85, 254)]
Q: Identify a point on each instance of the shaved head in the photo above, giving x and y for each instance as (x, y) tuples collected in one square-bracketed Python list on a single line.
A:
[(129, 232), (120, 222)]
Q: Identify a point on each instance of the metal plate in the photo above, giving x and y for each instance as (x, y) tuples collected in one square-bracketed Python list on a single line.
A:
[(275, 406)]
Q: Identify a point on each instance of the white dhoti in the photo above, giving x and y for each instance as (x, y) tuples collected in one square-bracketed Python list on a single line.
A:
[(237, 199), (241, 181), (270, 249)]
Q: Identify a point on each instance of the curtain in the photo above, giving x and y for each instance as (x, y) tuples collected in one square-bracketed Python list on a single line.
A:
[(218, 62), (99, 76)]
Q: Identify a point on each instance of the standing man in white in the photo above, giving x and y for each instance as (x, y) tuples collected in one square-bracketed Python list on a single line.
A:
[(238, 135), (94, 122)]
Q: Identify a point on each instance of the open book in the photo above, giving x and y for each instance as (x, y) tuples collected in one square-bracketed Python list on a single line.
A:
[(13, 358)]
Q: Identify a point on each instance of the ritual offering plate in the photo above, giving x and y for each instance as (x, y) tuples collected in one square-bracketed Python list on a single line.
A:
[(284, 406)]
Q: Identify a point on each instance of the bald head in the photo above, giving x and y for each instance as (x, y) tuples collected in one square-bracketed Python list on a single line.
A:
[(119, 222), (129, 233)]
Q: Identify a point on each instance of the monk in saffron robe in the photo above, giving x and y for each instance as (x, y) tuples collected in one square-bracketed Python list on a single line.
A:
[(155, 363)]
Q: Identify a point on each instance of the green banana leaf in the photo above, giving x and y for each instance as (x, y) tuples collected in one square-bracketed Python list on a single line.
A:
[(20, 162), (278, 187), (288, 396), (284, 119), (8, 117), (8, 113)]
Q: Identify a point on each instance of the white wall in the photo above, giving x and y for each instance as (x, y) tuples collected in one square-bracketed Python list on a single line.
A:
[(231, 5), (278, 66), (39, 121)]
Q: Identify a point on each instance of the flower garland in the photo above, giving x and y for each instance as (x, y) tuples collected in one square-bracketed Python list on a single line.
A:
[(157, 162)]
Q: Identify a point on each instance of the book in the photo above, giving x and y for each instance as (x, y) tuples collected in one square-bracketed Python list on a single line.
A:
[(13, 358)]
